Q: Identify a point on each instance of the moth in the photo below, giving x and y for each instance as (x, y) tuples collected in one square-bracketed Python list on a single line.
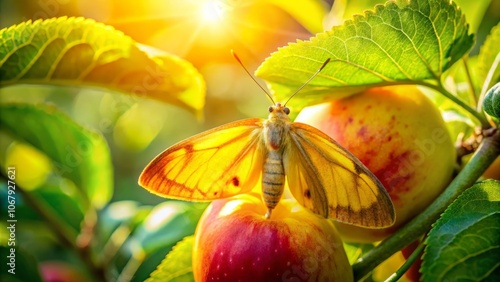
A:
[(229, 160)]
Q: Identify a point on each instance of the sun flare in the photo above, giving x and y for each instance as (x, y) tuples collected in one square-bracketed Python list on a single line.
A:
[(212, 11)]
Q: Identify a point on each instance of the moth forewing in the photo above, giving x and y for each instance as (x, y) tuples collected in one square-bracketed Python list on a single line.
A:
[(218, 163), (327, 179)]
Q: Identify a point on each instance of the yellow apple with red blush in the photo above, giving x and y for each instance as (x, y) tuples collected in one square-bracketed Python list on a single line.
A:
[(234, 242), (399, 134)]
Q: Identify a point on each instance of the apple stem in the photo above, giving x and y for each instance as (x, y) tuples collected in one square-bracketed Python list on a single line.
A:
[(487, 152)]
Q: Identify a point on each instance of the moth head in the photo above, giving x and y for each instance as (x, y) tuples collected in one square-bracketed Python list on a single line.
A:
[(278, 107)]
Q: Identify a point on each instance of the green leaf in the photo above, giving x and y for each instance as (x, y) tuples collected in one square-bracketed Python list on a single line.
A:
[(168, 222), (488, 60), (120, 213), (491, 102), (77, 153), (47, 194), (399, 42), (78, 51), (56, 196), (177, 265), (154, 237), (115, 223), (464, 244), (24, 265), (356, 250), (23, 210)]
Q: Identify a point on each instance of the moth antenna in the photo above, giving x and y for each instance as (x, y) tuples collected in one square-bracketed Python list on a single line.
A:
[(309, 80), (251, 76)]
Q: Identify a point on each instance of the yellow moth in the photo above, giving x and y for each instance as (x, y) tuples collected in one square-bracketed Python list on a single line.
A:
[(230, 159)]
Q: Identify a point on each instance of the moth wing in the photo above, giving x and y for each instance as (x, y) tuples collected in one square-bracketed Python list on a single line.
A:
[(218, 163), (330, 181)]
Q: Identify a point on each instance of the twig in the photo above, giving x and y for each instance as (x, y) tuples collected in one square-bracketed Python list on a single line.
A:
[(472, 92), (408, 263), (478, 115)]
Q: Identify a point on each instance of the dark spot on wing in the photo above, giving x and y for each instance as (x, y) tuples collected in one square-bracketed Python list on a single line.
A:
[(235, 181), (358, 169), (307, 194), (188, 148)]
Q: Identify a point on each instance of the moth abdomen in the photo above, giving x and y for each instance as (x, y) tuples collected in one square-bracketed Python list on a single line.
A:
[(273, 180)]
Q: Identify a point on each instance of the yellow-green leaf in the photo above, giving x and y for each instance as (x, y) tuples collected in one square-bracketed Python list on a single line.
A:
[(77, 153), (79, 51), (488, 61), (177, 264), (399, 42)]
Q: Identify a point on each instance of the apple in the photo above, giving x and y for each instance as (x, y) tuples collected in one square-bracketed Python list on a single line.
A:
[(389, 267), (401, 137), (59, 271), (413, 274), (493, 170), (234, 242)]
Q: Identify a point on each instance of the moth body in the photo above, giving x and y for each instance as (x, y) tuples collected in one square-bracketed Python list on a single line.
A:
[(275, 132)]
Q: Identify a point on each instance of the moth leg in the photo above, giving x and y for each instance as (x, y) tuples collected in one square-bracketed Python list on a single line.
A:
[(268, 213)]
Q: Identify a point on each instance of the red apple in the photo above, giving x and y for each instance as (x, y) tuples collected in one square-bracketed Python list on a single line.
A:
[(234, 242), (401, 137), (58, 271)]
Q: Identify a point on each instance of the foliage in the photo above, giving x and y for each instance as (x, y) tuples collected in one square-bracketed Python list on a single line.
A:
[(401, 42), (78, 51), (26, 266), (465, 241), (492, 101), (488, 59), (79, 155), (68, 192), (177, 264)]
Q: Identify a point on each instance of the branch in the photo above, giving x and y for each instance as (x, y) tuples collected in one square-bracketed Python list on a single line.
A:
[(408, 263)]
